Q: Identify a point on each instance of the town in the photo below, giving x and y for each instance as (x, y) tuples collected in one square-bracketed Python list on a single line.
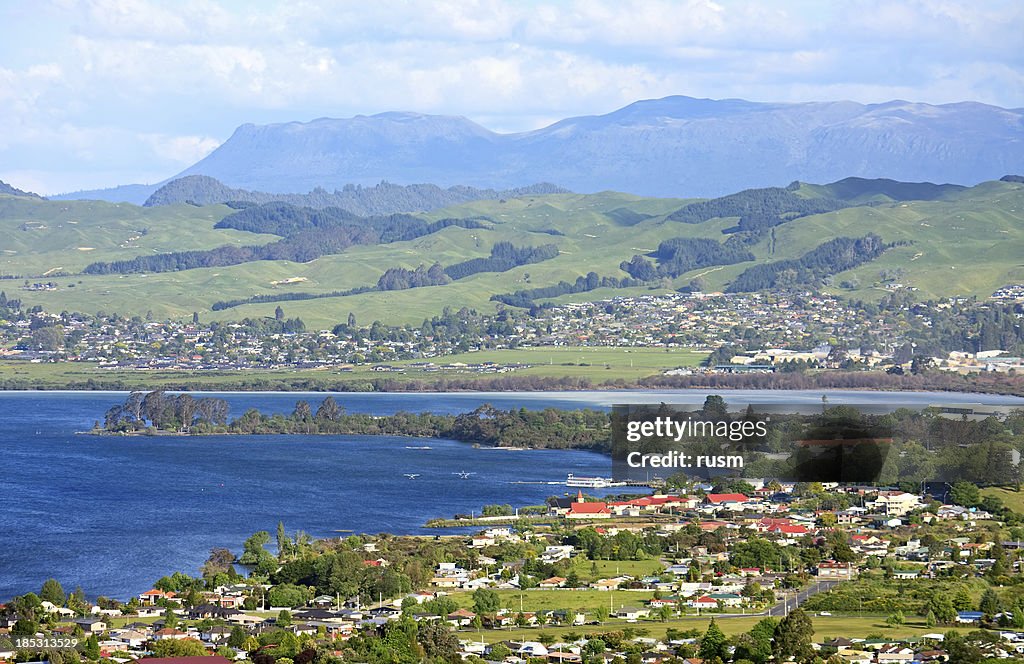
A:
[(736, 333), (742, 571)]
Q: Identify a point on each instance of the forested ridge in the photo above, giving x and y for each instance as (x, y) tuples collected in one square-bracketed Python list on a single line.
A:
[(381, 199), (767, 202), (592, 281), (828, 258), (682, 254), (306, 234), (504, 256)]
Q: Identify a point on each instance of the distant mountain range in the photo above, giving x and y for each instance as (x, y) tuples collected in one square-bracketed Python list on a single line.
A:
[(676, 146), (384, 198)]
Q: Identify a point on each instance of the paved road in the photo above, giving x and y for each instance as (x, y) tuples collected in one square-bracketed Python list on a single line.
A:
[(802, 596), (783, 607)]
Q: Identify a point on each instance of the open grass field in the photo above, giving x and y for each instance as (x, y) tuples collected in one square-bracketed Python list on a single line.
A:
[(44, 236), (599, 364), (970, 243), (611, 568), (1014, 500)]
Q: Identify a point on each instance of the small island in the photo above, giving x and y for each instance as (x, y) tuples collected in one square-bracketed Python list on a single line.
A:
[(158, 412)]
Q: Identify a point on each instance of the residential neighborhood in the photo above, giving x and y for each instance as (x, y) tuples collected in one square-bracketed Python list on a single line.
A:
[(748, 332), (864, 574)]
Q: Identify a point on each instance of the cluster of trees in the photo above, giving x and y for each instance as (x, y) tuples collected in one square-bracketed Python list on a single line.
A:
[(9, 304), (485, 426), (306, 233), (399, 278), (220, 305), (768, 202), (406, 641), (828, 258), (623, 545), (302, 247), (504, 256), (938, 601), (289, 220), (961, 325), (682, 254), (548, 428), (284, 219), (788, 639), (383, 198), (166, 412), (525, 298)]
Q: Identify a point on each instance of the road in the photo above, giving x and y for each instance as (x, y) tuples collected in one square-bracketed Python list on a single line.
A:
[(790, 603), (782, 608)]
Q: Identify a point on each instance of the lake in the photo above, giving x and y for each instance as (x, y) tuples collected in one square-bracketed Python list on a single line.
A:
[(113, 514)]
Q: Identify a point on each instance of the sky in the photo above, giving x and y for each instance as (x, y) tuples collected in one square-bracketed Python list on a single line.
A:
[(96, 93)]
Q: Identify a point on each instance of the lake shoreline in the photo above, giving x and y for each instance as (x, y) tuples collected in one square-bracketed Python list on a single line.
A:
[(932, 381), (560, 390)]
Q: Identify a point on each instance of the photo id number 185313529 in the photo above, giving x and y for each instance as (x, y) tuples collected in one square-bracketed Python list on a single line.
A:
[(45, 643)]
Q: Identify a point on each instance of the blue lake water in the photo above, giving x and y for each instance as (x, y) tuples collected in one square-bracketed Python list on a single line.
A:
[(113, 514)]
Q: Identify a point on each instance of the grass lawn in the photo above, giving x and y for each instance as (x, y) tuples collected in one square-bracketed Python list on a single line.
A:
[(598, 364), (1014, 500), (610, 568), (61, 374)]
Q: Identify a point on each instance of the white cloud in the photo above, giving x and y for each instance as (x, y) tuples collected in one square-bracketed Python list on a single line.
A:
[(185, 150)]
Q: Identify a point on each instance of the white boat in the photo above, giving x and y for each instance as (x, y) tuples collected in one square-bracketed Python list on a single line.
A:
[(588, 482)]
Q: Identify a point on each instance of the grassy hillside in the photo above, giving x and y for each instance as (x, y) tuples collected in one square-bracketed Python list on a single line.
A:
[(40, 236), (967, 242)]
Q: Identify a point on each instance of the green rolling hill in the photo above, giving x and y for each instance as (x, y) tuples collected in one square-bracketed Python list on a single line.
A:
[(943, 240)]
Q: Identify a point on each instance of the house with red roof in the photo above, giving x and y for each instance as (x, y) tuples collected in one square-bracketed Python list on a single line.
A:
[(553, 582), (767, 523), (579, 509), (726, 500), (151, 597), (461, 617), (703, 602), (790, 531), (589, 511)]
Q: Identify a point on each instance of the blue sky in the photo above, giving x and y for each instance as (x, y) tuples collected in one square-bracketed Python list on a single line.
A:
[(96, 93)]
